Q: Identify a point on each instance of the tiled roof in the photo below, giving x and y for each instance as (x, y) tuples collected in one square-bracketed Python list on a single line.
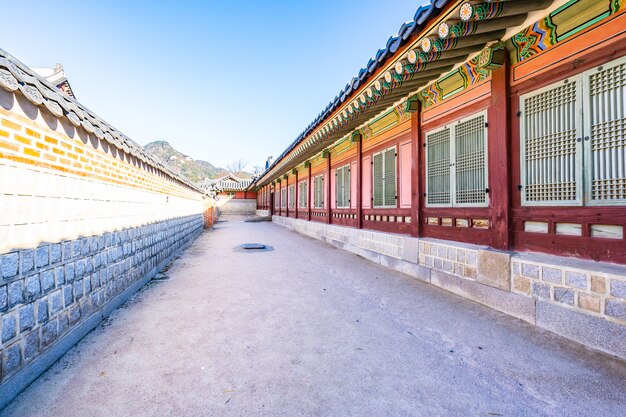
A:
[(467, 30), (421, 17), (14, 76), (231, 182)]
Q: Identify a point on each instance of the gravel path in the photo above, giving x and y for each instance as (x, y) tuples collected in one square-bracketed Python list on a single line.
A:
[(310, 330)]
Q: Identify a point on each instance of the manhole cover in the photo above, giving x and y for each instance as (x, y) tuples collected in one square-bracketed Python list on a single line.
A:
[(253, 247), (249, 246)]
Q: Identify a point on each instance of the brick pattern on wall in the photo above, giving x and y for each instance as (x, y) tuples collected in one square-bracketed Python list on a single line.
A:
[(74, 151), (593, 292), (47, 291), (452, 259)]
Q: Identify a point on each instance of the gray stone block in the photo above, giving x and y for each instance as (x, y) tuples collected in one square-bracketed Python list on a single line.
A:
[(9, 327), (75, 248), (516, 305), (67, 250), (42, 310), (9, 265), (27, 317), (70, 272), (589, 330), (87, 284), (410, 249), (540, 290), (68, 295), (74, 314), (552, 275), (4, 298), (49, 332), (47, 280), (617, 309), (59, 276), (78, 289), (55, 253), (30, 346), (530, 271), (33, 288), (16, 293), (470, 258), (88, 265), (80, 268), (618, 288), (84, 246), (12, 359), (55, 302), (576, 279), (42, 257), (64, 323), (28, 261), (564, 295)]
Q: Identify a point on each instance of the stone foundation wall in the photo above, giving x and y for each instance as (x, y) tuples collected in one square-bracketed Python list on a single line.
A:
[(584, 301), (237, 206), (53, 294)]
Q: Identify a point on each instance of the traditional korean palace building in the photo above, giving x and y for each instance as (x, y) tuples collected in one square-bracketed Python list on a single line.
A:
[(483, 150)]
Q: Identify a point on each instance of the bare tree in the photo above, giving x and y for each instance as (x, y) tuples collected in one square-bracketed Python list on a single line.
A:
[(257, 169), (237, 165)]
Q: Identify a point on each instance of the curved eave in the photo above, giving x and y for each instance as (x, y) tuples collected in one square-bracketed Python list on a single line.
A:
[(467, 37)]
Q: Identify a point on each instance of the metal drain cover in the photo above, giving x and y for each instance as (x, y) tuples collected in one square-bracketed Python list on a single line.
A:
[(249, 246)]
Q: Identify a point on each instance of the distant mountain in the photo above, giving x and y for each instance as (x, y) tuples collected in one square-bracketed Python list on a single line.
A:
[(196, 171)]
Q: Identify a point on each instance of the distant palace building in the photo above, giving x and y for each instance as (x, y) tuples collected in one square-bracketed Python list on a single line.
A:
[(56, 76)]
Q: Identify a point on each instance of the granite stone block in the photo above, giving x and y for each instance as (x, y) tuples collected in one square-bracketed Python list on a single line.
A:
[(9, 327), (33, 288), (42, 310), (27, 317), (42, 256), (11, 359), (9, 265), (16, 293), (47, 280)]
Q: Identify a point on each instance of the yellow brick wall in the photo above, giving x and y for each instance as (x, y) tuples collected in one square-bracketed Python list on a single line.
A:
[(59, 182)]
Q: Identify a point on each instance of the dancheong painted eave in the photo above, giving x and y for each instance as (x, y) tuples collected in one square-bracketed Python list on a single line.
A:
[(16, 77), (441, 36)]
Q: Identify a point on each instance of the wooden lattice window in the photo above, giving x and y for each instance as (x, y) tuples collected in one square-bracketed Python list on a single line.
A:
[(283, 198), (318, 189), (456, 164), (302, 193), (549, 148), (384, 178), (342, 187), (605, 117), (573, 140), (292, 196)]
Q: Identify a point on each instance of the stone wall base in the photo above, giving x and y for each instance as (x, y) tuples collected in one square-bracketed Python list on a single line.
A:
[(237, 206), (57, 293), (583, 301), (263, 213)]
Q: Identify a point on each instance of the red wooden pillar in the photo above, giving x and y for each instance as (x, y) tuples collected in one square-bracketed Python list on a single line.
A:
[(309, 200), (328, 191), (280, 198), (499, 166), (296, 190), (286, 195), (416, 212), (359, 181)]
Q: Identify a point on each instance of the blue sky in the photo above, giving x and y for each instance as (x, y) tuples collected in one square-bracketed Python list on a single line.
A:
[(220, 80)]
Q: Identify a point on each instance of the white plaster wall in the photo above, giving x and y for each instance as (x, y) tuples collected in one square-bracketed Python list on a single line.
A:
[(40, 206)]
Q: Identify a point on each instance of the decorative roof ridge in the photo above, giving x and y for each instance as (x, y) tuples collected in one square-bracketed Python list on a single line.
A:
[(15, 75)]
